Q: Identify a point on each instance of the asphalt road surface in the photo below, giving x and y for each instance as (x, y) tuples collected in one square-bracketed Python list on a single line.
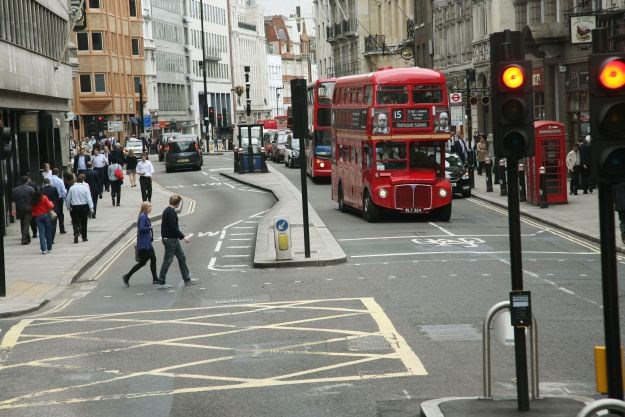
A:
[(399, 322)]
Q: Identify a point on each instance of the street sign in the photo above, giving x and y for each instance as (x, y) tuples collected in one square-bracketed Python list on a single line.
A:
[(115, 126), (455, 98), (456, 115), (147, 121)]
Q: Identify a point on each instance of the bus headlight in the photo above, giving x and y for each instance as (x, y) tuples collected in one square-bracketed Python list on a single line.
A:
[(382, 193), (321, 165), (442, 192)]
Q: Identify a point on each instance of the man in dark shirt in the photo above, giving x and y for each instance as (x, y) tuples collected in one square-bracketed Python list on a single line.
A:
[(22, 207), (171, 237), (92, 178)]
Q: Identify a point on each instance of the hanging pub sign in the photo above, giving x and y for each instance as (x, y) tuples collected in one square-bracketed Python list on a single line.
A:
[(581, 28)]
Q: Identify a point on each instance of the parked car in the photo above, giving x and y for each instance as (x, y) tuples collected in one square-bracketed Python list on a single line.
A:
[(278, 146), (291, 151), (458, 175), (135, 145), (183, 151)]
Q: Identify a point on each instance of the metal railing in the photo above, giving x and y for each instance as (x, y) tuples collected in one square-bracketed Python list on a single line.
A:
[(349, 68), (374, 43), (600, 405), (486, 351)]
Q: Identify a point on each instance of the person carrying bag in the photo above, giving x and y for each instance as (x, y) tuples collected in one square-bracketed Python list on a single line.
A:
[(144, 251)]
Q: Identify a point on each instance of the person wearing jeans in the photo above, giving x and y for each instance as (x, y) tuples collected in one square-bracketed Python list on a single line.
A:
[(171, 237), (41, 206)]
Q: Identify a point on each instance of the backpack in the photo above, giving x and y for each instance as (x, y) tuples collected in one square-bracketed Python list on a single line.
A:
[(119, 174)]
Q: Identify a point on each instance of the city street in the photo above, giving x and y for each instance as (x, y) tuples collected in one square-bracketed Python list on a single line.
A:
[(400, 321)]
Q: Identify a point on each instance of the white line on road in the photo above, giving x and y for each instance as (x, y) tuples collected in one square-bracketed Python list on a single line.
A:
[(374, 255), (442, 229)]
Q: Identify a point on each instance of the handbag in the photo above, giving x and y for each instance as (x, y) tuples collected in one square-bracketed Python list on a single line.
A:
[(52, 214), (119, 174)]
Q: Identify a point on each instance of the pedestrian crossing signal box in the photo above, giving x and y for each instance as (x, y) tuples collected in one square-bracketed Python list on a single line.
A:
[(520, 308), (282, 238)]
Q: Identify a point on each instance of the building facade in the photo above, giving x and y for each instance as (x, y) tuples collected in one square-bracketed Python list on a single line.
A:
[(152, 127), (35, 88)]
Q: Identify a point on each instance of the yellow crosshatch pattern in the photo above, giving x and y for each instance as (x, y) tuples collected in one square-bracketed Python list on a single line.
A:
[(218, 347)]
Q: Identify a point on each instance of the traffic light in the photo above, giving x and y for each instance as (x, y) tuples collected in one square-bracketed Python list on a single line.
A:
[(211, 115), (513, 107), (607, 116), (6, 143), (101, 125)]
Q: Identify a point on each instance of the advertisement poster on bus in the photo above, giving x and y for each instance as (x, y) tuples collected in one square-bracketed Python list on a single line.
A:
[(380, 122), (441, 121)]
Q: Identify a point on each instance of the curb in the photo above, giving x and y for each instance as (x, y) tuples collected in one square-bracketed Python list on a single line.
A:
[(547, 222), (16, 313)]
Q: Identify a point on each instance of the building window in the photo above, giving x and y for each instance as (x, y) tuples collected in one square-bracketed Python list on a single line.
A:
[(96, 41), (94, 4), (137, 84), (135, 46), (133, 8), (85, 83), (100, 83), (83, 41)]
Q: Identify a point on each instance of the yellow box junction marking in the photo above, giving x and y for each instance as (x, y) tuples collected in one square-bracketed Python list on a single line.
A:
[(202, 317)]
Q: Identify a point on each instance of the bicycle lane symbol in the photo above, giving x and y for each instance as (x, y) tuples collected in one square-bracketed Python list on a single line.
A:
[(470, 242)]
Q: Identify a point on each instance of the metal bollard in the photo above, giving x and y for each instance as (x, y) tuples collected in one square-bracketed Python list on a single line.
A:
[(241, 164), (522, 196), (543, 187), (502, 178), (488, 167)]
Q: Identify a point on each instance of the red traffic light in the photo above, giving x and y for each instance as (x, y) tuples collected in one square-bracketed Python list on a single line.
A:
[(100, 118), (211, 110), (612, 74), (513, 77)]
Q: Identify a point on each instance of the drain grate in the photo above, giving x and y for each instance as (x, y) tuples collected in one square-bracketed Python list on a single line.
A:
[(451, 332)]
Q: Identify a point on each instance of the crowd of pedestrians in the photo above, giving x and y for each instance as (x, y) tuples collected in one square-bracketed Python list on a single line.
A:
[(96, 171)]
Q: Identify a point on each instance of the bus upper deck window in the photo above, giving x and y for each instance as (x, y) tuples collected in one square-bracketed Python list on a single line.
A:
[(427, 94), (392, 95)]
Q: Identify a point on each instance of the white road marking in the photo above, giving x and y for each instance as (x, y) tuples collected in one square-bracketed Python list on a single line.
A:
[(442, 229), (460, 252), (238, 247)]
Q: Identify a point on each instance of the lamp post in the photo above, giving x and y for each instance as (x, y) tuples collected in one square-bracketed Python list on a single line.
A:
[(204, 111), (277, 98)]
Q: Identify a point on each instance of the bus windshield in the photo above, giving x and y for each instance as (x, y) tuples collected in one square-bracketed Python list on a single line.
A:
[(325, 93), (394, 155), (425, 154), (323, 146)]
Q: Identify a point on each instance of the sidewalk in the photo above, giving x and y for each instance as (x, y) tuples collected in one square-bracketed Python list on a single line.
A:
[(33, 279), (580, 216)]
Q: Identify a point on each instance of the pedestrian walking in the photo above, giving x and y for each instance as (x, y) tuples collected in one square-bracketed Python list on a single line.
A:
[(131, 167), (145, 169), (573, 165), (79, 204), (41, 206), (106, 182), (116, 179), (145, 250), (100, 163), (58, 183), (619, 206), (53, 195), (482, 153), (80, 161), (585, 155), (22, 207), (171, 237), (46, 172), (93, 180)]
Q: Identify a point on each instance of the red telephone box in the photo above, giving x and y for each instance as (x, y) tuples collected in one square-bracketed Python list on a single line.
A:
[(550, 152)]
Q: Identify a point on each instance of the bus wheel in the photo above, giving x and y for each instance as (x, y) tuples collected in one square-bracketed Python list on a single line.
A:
[(370, 212), (341, 200), (443, 214)]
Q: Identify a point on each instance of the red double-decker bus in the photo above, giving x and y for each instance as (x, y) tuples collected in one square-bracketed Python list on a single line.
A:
[(389, 130), (318, 144)]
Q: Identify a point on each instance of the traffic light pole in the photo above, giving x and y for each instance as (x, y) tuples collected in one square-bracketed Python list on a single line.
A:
[(469, 128), (610, 292), (516, 268)]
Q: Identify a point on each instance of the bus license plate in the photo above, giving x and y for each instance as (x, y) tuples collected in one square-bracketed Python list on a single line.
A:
[(413, 210)]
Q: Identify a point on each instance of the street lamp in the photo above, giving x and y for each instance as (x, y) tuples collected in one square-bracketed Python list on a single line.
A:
[(277, 98)]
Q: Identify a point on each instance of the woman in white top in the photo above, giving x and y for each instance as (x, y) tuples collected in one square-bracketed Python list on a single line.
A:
[(46, 172)]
